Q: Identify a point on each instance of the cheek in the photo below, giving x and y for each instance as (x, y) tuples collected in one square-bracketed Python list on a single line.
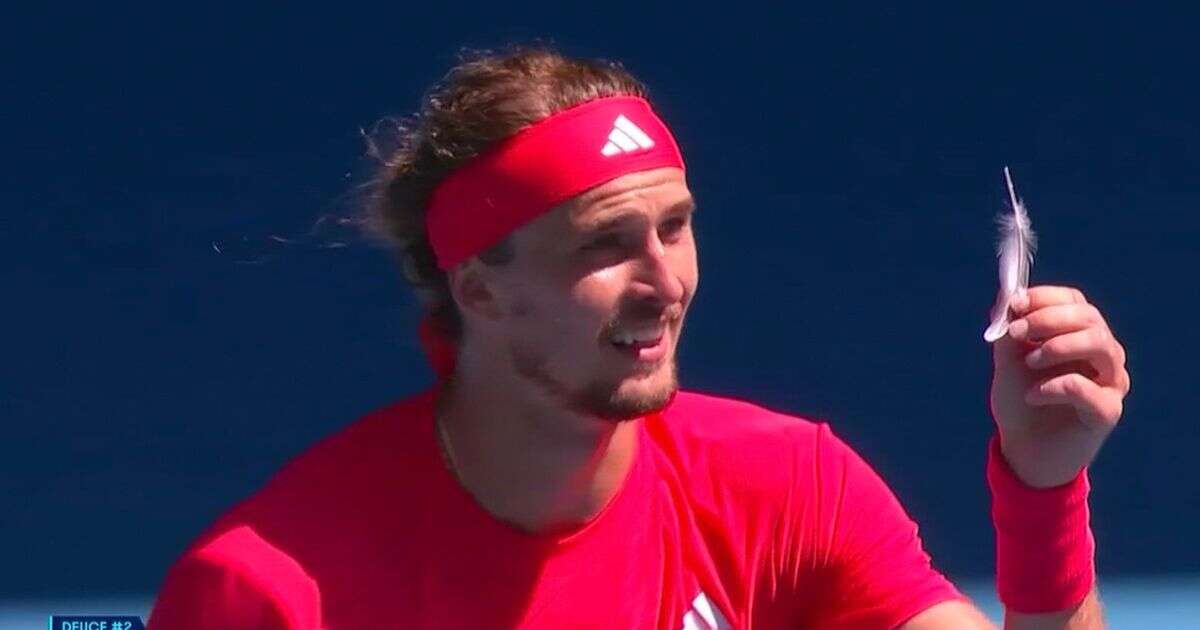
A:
[(598, 292), (522, 308), (563, 311), (687, 270), (691, 275)]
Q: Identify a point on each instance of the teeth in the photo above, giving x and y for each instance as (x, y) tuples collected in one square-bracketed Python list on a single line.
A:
[(629, 337)]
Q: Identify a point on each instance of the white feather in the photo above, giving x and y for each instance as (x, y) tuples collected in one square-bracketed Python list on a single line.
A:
[(1015, 249)]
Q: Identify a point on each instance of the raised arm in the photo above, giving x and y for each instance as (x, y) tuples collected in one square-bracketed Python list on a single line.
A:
[(1057, 393)]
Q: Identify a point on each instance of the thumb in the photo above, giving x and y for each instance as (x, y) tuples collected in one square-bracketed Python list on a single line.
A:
[(1006, 350)]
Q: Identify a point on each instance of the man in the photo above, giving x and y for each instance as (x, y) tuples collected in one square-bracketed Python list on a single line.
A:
[(556, 477)]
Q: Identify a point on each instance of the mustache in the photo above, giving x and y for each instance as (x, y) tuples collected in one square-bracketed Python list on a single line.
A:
[(645, 313)]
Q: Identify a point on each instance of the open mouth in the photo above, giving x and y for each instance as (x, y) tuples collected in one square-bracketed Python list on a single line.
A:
[(646, 345)]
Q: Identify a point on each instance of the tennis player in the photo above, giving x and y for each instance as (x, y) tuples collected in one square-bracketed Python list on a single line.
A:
[(556, 476)]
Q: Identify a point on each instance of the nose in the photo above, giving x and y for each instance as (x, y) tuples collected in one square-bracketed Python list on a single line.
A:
[(658, 269)]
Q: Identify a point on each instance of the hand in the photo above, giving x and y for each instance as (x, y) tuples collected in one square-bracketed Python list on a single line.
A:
[(1058, 385)]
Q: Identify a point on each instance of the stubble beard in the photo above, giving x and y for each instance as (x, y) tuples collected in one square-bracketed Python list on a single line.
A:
[(599, 398)]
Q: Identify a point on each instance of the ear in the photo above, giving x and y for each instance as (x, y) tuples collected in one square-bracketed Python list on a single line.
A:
[(472, 287)]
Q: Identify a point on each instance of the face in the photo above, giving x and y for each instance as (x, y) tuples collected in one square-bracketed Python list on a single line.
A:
[(590, 311)]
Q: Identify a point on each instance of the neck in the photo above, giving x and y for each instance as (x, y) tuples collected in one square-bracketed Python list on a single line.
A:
[(539, 468)]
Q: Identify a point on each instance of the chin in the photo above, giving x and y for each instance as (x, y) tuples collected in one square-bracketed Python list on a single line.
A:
[(636, 397)]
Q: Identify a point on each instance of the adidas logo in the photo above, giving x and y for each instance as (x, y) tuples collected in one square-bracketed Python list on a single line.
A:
[(625, 137), (704, 616)]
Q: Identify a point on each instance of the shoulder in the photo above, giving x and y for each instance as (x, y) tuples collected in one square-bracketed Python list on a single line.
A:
[(261, 559), (344, 463), (724, 423), (237, 579), (745, 447), (330, 486)]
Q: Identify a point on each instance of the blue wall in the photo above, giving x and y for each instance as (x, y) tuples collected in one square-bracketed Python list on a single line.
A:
[(848, 169)]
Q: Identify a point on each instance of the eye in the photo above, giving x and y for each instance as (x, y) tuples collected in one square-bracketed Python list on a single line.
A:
[(605, 241), (674, 226)]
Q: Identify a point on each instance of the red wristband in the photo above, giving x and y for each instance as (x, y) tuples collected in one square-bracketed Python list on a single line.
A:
[(1045, 551)]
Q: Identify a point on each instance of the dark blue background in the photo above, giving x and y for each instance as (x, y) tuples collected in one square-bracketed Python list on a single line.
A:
[(848, 168)]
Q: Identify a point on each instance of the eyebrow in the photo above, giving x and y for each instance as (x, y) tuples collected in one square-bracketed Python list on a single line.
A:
[(606, 222)]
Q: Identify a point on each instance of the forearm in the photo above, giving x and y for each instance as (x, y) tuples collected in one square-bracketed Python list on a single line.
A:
[(1086, 616)]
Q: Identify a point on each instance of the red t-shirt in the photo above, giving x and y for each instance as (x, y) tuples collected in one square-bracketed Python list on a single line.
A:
[(732, 516)]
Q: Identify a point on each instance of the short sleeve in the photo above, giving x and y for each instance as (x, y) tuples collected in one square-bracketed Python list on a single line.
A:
[(875, 571), (236, 582)]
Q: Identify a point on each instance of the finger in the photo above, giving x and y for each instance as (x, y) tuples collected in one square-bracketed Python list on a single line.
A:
[(1093, 346), (1045, 295), (1055, 320), (1008, 350), (1096, 405)]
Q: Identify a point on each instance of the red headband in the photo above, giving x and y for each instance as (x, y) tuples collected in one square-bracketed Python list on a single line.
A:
[(540, 167)]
